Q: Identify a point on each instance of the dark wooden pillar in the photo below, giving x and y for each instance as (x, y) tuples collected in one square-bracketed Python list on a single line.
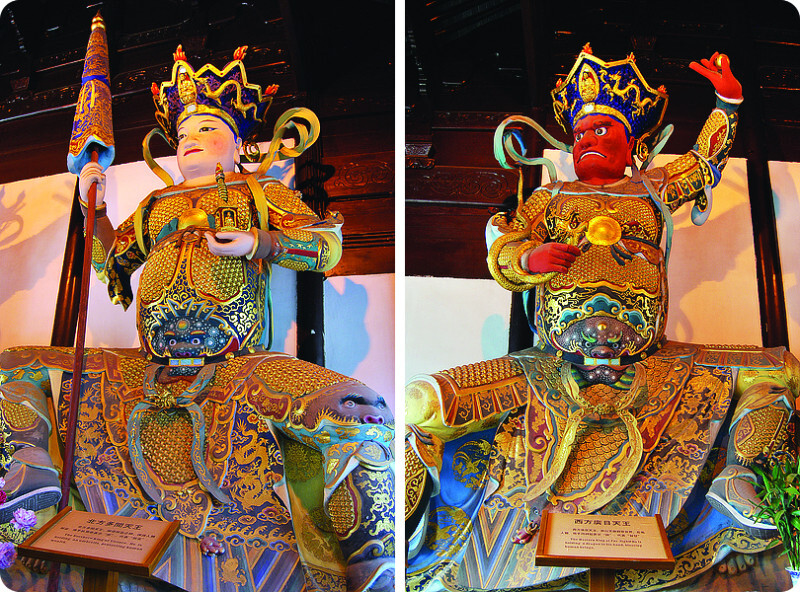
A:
[(310, 318), (69, 286), (774, 327), (310, 308)]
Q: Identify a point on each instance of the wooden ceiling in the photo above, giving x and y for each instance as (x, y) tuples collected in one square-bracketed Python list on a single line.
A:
[(506, 55), (335, 59)]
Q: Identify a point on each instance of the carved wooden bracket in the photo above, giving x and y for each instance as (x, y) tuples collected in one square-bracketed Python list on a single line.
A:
[(419, 152)]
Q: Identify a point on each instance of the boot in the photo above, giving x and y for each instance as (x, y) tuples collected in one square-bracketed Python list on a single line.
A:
[(32, 482), (733, 494)]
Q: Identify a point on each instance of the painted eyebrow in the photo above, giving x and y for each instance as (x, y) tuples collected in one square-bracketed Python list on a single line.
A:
[(592, 128), (203, 120), (360, 400)]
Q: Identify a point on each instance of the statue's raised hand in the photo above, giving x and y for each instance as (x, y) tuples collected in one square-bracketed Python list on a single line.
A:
[(718, 70), (92, 172)]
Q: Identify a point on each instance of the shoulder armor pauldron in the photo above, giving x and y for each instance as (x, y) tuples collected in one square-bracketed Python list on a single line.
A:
[(741, 356), (476, 391)]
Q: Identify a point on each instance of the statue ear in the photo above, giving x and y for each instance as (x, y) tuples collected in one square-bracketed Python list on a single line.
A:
[(236, 156), (629, 151)]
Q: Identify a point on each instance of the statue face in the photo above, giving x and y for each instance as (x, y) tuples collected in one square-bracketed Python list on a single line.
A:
[(203, 141), (602, 149)]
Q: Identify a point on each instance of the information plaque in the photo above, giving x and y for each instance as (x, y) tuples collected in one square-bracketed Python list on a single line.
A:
[(101, 542), (596, 541)]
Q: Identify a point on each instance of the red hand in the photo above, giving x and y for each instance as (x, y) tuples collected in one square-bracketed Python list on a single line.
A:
[(521, 537), (718, 70), (552, 257)]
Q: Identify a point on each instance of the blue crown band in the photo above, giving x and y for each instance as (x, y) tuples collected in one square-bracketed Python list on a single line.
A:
[(101, 77)]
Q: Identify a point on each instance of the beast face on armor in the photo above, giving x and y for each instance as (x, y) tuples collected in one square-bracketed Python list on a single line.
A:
[(225, 305), (368, 409), (349, 401), (190, 338)]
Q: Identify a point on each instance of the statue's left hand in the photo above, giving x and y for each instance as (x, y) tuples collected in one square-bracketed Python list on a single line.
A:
[(92, 172), (238, 243), (718, 70)]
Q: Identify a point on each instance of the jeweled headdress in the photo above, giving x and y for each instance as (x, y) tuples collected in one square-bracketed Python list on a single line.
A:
[(226, 94), (611, 88)]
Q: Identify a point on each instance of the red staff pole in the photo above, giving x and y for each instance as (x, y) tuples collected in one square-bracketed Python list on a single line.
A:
[(80, 339), (77, 367), (92, 140)]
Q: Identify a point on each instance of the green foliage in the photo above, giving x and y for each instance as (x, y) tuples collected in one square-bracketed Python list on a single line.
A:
[(780, 501)]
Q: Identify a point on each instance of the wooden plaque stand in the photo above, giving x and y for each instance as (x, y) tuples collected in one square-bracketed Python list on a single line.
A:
[(104, 545), (603, 544)]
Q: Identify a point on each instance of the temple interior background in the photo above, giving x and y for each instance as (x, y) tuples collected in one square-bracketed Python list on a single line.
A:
[(337, 61), (470, 64)]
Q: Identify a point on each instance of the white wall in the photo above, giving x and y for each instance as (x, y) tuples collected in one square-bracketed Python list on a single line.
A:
[(450, 322), (33, 227), (359, 329)]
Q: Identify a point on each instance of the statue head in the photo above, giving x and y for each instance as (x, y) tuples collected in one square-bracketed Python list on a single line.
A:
[(615, 89), (225, 94)]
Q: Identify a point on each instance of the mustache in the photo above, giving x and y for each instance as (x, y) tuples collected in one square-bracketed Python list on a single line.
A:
[(594, 152)]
